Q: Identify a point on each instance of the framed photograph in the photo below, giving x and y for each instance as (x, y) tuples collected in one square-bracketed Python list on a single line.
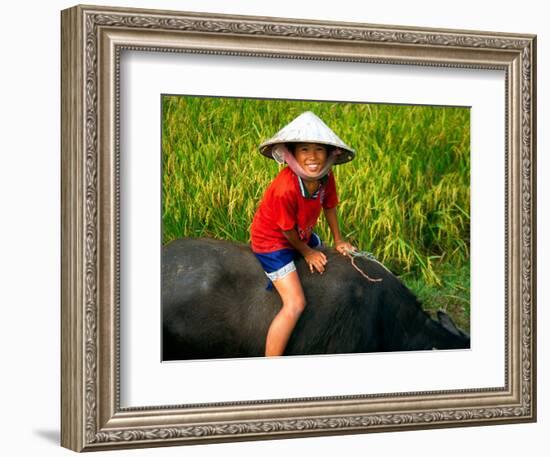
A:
[(170, 124)]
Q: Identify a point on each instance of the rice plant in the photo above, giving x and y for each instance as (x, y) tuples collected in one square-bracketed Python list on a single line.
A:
[(405, 197)]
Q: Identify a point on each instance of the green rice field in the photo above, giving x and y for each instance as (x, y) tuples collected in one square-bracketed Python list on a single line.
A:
[(405, 197)]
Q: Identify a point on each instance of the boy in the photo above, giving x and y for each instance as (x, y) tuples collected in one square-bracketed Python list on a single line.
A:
[(283, 224)]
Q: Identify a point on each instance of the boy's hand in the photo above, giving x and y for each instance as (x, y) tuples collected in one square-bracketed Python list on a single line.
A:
[(316, 260), (343, 247)]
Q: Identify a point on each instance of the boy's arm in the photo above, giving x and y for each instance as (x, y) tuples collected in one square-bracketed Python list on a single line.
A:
[(341, 245), (314, 258)]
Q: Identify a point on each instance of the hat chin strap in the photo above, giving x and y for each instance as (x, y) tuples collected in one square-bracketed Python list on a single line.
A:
[(281, 154)]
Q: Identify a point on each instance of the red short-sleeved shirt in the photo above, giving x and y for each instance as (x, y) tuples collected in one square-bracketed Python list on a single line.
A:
[(284, 207)]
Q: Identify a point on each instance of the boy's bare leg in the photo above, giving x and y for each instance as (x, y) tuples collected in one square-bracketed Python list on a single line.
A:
[(292, 295)]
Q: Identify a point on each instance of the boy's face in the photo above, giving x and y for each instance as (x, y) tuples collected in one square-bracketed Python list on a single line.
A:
[(311, 157)]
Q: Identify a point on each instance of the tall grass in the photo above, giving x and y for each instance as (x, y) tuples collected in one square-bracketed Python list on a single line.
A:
[(405, 197)]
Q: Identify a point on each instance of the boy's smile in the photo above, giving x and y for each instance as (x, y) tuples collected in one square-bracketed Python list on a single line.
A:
[(311, 157)]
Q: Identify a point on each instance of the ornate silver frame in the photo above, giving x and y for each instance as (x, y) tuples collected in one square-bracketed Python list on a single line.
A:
[(92, 40)]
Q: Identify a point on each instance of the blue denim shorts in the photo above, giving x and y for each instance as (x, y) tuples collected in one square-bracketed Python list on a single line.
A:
[(278, 264)]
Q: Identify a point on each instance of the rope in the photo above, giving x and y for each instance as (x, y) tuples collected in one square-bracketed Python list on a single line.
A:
[(366, 255)]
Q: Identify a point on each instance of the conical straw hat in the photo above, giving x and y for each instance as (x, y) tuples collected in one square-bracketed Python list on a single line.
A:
[(308, 128)]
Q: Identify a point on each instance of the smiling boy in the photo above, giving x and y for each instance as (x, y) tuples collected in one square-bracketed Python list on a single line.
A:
[(283, 225)]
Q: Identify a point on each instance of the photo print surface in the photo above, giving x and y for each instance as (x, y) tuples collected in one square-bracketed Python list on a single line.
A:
[(308, 228)]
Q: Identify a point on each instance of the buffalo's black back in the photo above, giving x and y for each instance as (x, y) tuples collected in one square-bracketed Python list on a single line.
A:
[(215, 305)]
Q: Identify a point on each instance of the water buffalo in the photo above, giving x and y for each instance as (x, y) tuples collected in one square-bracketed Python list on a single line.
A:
[(215, 305)]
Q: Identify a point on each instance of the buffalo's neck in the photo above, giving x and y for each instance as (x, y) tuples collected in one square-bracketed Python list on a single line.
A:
[(409, 330), (444, 339), (423, 333), (407, 327), (402, 320)]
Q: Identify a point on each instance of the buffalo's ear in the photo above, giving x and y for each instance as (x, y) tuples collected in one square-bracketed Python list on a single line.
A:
[(448, 324)]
